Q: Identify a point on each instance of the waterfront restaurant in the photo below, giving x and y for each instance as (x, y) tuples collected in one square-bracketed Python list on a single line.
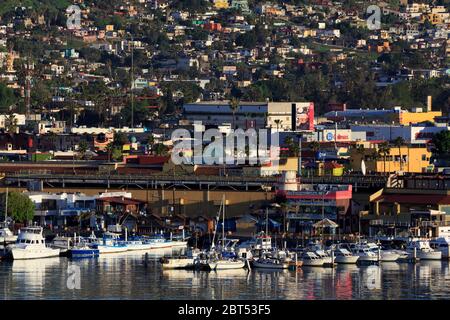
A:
[(313, 203)]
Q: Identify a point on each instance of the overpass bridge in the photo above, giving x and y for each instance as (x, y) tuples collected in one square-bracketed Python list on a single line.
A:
[(170, 181)]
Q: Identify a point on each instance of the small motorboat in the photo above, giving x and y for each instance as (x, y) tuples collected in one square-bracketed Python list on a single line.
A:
[(344, 256), (267, 263), (226, 264), (423, 250), (310, 259), (83, 252)]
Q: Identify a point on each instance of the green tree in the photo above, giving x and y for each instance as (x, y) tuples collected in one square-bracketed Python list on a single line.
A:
[(11, 123), (20, 207), (82, 149), (441, 141), (7, 97), (161, 149)]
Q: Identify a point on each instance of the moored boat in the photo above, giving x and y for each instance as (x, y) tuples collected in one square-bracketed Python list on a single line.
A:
[(344, 256), (266, 263), (310, 259), (30, 244)]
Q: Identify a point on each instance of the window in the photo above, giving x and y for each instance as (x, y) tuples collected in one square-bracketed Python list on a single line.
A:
[(424, 157)]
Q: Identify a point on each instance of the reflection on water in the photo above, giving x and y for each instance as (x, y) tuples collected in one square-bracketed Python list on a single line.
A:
[(131, 276)]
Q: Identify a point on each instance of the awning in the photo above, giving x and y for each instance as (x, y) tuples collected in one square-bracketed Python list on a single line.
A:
[(326, 223)]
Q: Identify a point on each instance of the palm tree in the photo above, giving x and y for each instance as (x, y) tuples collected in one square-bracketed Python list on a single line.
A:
[(314, 146), (234, 105), (278, 122), (384, 150), (11, 123), (399, 142)]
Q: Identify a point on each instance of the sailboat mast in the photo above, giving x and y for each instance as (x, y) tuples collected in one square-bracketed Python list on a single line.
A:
[(6, 205), (223, 221)]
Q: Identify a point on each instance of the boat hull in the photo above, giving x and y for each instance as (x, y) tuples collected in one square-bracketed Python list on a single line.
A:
[(389, 256), (111, 249), (346, 260), (24, 254), (313, 263), (436, 255), (367, 259), (178, 263), (273, 266), (8, 239), (84, 253), (226, 265)]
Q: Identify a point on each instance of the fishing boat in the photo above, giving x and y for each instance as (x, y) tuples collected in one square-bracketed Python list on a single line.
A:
[(110, 243), (30, 244), (422, 250)]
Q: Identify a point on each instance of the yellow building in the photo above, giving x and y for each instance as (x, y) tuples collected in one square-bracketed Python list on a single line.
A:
[(407, 118), (109, 27), (221, 4), (407, 159)]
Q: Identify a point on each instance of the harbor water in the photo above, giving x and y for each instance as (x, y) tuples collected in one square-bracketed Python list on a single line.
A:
[(131, 276)]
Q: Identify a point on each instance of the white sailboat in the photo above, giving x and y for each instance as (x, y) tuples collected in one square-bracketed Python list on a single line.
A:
[(6, 235), (218, 262)]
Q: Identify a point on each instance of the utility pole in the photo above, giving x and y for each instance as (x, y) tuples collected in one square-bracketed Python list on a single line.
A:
[(132, 81)]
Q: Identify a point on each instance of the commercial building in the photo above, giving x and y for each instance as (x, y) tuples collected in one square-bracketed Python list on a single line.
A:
[(308, 204), (277, 115), (413, 159), (397, 115), (415, 134), (415, 205)]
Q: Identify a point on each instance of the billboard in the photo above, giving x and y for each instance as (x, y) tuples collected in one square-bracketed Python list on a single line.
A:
[(303, 116), (339, 135)]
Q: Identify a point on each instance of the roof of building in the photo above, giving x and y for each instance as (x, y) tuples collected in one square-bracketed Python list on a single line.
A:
[(414, 198), (120, 200)]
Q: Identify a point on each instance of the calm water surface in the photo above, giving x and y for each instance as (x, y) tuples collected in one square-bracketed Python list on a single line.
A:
[(125, 276)]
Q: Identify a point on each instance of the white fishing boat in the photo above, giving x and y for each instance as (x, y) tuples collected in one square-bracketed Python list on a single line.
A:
[(30, 244), (441, 244), (422, 250), (344, 256), (310, 259), (266, 263)]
